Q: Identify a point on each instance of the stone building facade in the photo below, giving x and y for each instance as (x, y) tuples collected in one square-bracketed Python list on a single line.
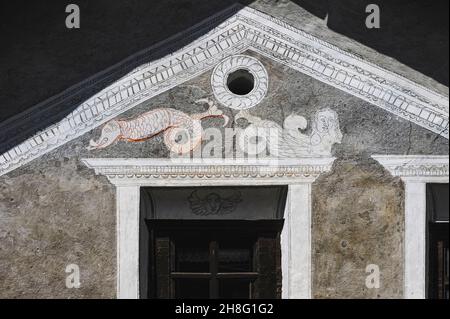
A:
[(354, 143)]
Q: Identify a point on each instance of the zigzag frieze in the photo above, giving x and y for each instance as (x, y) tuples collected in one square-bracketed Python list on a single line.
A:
[(352, 79), (94, 113), (363, 88), (248, 28), (325, 44), (23, 123), (154, 77), (293, 44)]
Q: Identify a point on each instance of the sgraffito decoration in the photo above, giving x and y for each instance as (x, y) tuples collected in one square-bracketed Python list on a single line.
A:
[(182, 132), (241, 29), (288, 141), (213, 203), (221, 75)]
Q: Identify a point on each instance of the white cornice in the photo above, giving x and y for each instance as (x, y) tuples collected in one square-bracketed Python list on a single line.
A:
[(415, 171), (128, 175), (175, 172), (246, 29), (427, 168)]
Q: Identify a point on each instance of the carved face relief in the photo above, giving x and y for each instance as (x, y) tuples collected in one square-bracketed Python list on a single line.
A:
[(213, 203)]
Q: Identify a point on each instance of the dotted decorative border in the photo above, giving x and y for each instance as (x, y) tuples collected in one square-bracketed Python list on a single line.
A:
[(242, 29), (231, 64)]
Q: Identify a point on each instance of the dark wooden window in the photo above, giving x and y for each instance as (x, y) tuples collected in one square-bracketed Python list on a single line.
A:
[(438, 241), (214, 259)]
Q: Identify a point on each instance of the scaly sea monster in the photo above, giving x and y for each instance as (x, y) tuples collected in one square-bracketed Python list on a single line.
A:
[(182, 132)]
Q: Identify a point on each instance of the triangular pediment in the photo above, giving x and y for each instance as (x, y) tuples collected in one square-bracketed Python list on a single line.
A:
[(244, 29)]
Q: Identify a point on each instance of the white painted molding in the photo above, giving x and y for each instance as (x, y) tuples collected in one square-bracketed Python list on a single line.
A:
[(130, 174), (127, 222), (246, 29), (416, 171), (414, 275), (175, 172), (426, 168), (220, 88), (296, 243)]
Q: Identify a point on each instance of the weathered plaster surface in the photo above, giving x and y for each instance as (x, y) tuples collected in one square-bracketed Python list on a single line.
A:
[(367, 129), (54, 211), (357, 221)]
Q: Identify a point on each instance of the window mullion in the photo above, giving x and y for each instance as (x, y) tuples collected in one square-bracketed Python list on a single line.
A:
[(213, 265)]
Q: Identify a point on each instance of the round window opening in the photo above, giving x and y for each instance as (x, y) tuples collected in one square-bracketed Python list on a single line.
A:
[(240, 82)]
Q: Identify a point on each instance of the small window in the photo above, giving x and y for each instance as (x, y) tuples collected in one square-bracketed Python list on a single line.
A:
[(241, 82), (214, 259)]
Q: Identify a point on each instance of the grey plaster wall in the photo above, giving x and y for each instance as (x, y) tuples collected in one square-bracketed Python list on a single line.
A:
[(358, 221), (54, 211), (367, 129)]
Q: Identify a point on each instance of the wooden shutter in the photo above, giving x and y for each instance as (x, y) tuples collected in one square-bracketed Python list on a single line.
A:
[(162, 265), (268, 266), (438, 276)]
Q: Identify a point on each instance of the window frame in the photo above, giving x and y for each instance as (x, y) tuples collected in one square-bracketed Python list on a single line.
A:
[(416, 171), (214, 230), (437, 241), (130, 175)]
